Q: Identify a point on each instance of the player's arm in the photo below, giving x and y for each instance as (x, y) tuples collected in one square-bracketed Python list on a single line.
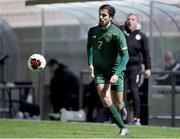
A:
[(123, 52), (90, 54), (122, 66), (89, 48)]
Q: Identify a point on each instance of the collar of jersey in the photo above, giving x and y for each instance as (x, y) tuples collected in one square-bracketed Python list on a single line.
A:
[(105, 28)]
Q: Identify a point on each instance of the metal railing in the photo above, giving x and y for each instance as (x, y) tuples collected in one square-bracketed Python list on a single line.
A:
[(173, 88), (82, 73)]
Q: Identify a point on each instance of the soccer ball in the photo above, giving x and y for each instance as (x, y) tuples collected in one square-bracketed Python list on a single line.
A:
[(36, 63)]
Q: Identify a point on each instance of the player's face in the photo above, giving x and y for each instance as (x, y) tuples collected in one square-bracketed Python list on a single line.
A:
[(104, 18), (131, 22)]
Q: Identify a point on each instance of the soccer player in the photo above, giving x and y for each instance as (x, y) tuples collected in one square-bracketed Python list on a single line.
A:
[(138, 54), (107, 58)]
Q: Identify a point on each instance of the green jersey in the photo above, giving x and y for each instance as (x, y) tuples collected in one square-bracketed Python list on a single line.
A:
[(104, 49)]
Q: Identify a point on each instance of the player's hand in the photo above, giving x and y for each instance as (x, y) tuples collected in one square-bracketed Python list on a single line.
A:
[(91, 70), (113, 79), (147, 73)]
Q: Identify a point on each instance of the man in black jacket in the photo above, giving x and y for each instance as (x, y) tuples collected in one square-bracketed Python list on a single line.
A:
[(138, 55), (64, 87)]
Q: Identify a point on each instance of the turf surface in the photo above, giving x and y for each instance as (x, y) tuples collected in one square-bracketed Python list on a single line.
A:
[(51, 129)]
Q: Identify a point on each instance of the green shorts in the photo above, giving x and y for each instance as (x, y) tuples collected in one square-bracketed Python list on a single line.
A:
[(119, 86)]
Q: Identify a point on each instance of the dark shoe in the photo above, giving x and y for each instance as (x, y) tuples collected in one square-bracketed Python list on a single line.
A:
[(124, 113)]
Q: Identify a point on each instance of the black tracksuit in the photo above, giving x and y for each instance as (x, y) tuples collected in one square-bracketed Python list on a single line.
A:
[(64, 88), (138, 54)]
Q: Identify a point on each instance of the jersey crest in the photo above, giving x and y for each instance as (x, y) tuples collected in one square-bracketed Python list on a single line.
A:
[(107, 38), (138, 37)]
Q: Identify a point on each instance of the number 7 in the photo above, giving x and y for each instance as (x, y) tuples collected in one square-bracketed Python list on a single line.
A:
[(99, 44)]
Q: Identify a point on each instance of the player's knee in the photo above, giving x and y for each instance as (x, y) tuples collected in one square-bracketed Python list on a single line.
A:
[(107, 101)]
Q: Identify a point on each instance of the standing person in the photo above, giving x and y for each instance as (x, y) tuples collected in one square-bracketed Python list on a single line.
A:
[(64, 87), (138, 54), (107, 58)]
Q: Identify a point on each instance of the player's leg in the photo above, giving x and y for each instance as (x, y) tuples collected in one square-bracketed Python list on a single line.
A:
[(105, 95), (119, 103), (117, 96)]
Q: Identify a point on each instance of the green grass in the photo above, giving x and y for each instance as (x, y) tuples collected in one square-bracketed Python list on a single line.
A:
[(51, 129)]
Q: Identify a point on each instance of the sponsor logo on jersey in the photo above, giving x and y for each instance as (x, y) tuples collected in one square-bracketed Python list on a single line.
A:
[(138, 37), (94, 36)]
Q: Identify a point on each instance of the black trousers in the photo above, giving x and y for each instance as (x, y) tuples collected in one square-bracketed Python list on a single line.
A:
[(132, 75), (68, 100)]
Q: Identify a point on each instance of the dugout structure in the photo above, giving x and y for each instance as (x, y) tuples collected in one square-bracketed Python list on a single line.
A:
[(60, 31)]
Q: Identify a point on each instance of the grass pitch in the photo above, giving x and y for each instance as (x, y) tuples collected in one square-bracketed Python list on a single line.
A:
[(51, 129)]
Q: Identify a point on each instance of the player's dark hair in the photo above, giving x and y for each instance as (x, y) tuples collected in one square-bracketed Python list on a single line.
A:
[(111, 9)]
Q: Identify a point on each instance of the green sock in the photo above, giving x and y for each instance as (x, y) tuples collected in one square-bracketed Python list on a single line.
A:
[(116, 116)]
